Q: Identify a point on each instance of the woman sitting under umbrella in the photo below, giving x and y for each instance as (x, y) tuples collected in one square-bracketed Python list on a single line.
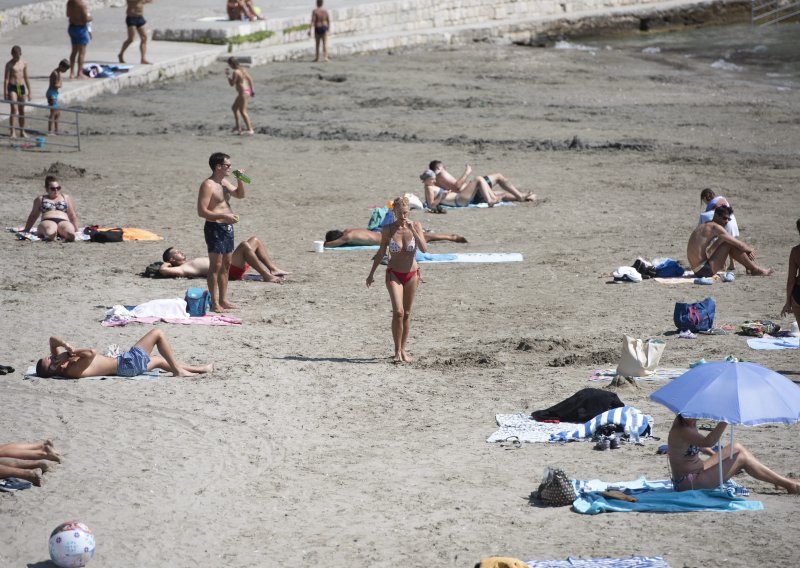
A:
[(691, 472)]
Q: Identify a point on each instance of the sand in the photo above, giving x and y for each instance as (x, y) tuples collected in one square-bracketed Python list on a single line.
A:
[(306, 446)]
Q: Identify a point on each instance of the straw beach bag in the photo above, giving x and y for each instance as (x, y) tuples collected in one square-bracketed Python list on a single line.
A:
[(556, 489)]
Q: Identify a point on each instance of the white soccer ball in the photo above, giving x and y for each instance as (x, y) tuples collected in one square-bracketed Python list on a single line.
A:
[(71, 545)]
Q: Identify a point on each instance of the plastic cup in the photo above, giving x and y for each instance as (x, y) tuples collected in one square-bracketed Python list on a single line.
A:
[(319, 246)]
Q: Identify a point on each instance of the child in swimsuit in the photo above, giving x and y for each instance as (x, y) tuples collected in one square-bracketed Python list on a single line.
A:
[(52, 96)]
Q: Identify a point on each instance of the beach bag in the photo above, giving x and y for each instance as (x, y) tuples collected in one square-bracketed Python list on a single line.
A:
[(639, 358), (669, 268), (694, 317), (153, 270), (198, 302), (758, 328), (106, 236), (556, 490)]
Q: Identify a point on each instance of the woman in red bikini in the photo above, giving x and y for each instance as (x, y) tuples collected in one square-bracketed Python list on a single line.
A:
[(402, 238)]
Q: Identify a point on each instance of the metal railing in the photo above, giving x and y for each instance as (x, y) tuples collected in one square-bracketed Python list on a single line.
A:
[(766, 12), (40, 138)]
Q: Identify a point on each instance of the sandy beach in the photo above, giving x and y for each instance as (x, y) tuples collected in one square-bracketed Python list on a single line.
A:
[(306, 446)]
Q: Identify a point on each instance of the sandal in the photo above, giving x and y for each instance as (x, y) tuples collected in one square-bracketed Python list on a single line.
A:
[(511, 443)]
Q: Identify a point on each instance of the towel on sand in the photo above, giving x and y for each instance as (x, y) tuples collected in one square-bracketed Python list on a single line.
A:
[(523, 427), (571, 562), (215, 319), (666, 502), (769, 343), (633, 421), (662, 373), (148, 376), (426, 257), (32, 236)]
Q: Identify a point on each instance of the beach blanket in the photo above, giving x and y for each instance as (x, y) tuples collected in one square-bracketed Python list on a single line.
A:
[(23, 236), (662, 373), (135, 234), (103, 71), (426, 257), (362, 247), (643, 484), (666, 502), (677, 280), (476, 205), (524, 428), (634, 422), (30, 374), (209, 319), (572, 562), (769, 343)]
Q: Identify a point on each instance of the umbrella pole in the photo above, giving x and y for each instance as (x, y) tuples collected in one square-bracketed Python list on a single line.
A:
[(721, 481)]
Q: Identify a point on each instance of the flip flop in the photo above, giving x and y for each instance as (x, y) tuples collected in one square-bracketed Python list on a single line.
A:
[(6, 369), (11, 484), (511, 443)]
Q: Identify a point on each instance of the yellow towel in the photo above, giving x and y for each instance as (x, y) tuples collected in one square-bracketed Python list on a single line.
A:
[(502, 562), (134, 234)]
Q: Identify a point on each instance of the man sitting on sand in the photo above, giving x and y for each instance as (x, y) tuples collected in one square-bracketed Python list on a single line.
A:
[(710, 245), (365, 237), (66, 361), (249, 253), (448, 182)]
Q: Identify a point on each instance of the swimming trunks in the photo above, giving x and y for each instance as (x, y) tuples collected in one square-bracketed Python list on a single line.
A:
[(19, 90), (78, 35), (796, 293), (703, 271), (403, 277), (50, 205), (320, 30), (394, 247), (237, 273), (133, 362), (137, 21), (219, 237), (52, 97), (488, 181)]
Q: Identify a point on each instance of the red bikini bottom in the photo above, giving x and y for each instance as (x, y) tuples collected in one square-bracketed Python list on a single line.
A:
[(403, 277)]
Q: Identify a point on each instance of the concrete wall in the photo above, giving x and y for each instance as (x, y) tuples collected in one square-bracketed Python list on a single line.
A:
[(49, 10)]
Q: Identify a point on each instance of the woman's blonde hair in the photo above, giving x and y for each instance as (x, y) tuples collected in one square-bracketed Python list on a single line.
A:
[(401, 201)]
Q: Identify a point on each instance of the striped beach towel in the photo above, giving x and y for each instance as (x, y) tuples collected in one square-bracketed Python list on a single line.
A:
[(634, 422)]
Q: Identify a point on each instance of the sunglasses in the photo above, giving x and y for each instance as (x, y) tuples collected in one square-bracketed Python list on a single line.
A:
[(55, 187)]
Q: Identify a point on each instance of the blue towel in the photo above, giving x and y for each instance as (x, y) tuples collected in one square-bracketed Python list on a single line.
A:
[(666, 502), (632, 420), (361, 247), (572, 562), (426, 257), (773, 343)]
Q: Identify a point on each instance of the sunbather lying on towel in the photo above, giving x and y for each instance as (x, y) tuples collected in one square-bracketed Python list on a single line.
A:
[(249, 253), (66, 361), (28, 461), (365, 237), (691, 472), (508, 192)]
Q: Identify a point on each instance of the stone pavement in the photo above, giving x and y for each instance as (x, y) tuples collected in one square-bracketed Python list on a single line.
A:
[(40, 28)]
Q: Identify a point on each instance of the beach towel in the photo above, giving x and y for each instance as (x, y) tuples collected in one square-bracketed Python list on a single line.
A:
[(208, 319), (524, 428), (769, 343), (103, 71), (661, 373), (362, 247), (572, 562), (477, 205), (23, 236), (135, 234), (643, 484), (633, 421), (666, 502), (30, 374), (426, 257)]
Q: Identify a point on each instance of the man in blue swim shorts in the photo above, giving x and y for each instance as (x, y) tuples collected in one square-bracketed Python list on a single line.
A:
[(134, 20), (66, 361), (213, 204), (78, 30)]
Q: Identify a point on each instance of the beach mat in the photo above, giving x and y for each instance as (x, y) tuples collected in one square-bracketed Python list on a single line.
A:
[(661, 374), (769, 343), (363, 247), (526, 429), (215, 320), (30, 374), (665, 502), (482, 257), (572, 562), (477, 205)]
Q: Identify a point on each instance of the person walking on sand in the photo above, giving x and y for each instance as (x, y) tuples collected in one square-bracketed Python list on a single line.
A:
[(134, 20), (689, 471), (243, 82), (321, 25), (67, 361), (709, 247), (402, 238), (52, 96), (251, 252), (792, 304), (447, 181), (79, 35), (213, 205), (16, 87)]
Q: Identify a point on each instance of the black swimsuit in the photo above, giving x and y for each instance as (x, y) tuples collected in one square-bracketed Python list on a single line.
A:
[(796, 293)]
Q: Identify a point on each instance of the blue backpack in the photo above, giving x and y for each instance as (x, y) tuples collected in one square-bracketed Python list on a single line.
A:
[(198, 302), (694, 317)]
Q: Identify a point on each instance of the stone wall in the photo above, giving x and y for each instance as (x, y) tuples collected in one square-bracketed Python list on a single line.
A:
[(49, 10)]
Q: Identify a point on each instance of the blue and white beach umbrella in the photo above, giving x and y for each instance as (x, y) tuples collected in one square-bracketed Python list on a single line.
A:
[(734, 392)]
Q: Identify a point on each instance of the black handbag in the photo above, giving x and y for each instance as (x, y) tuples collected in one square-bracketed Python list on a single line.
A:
[(556, 489)]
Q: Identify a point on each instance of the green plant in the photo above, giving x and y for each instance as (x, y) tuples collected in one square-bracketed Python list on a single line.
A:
[(300, 28), (250, 38)]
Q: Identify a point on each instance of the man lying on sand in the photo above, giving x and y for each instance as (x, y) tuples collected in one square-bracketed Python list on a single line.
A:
[(448, 182), (249, 253), (709, 247), (79, 363), (28, 461), (365, 237)]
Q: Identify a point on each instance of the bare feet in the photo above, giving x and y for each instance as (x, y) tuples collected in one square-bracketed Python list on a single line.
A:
[(121, 59), (44, 465), (208, 368), (218, 309), (762, 272), (229, 306), (406, 357), (398, 358), (24, 134), (248, 132), (236, 131), (272, 279), (530, 196), (146, 62), (460, 239), (187, 374), (50, 452)]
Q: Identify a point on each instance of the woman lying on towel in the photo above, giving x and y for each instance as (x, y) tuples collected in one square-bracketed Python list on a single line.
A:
[(58, 214), (28, 461), (476, 191), (686, 444), (402, 238)]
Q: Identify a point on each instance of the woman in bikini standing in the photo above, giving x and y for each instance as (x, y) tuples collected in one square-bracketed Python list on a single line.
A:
[(792, 304), (686, 444), (58, 214), (243, 82), (402, 238)]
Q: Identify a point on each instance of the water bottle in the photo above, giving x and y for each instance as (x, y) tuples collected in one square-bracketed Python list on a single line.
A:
[(241, 176)]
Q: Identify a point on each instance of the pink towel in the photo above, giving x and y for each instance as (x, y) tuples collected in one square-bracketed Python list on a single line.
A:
[(210, 319)]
